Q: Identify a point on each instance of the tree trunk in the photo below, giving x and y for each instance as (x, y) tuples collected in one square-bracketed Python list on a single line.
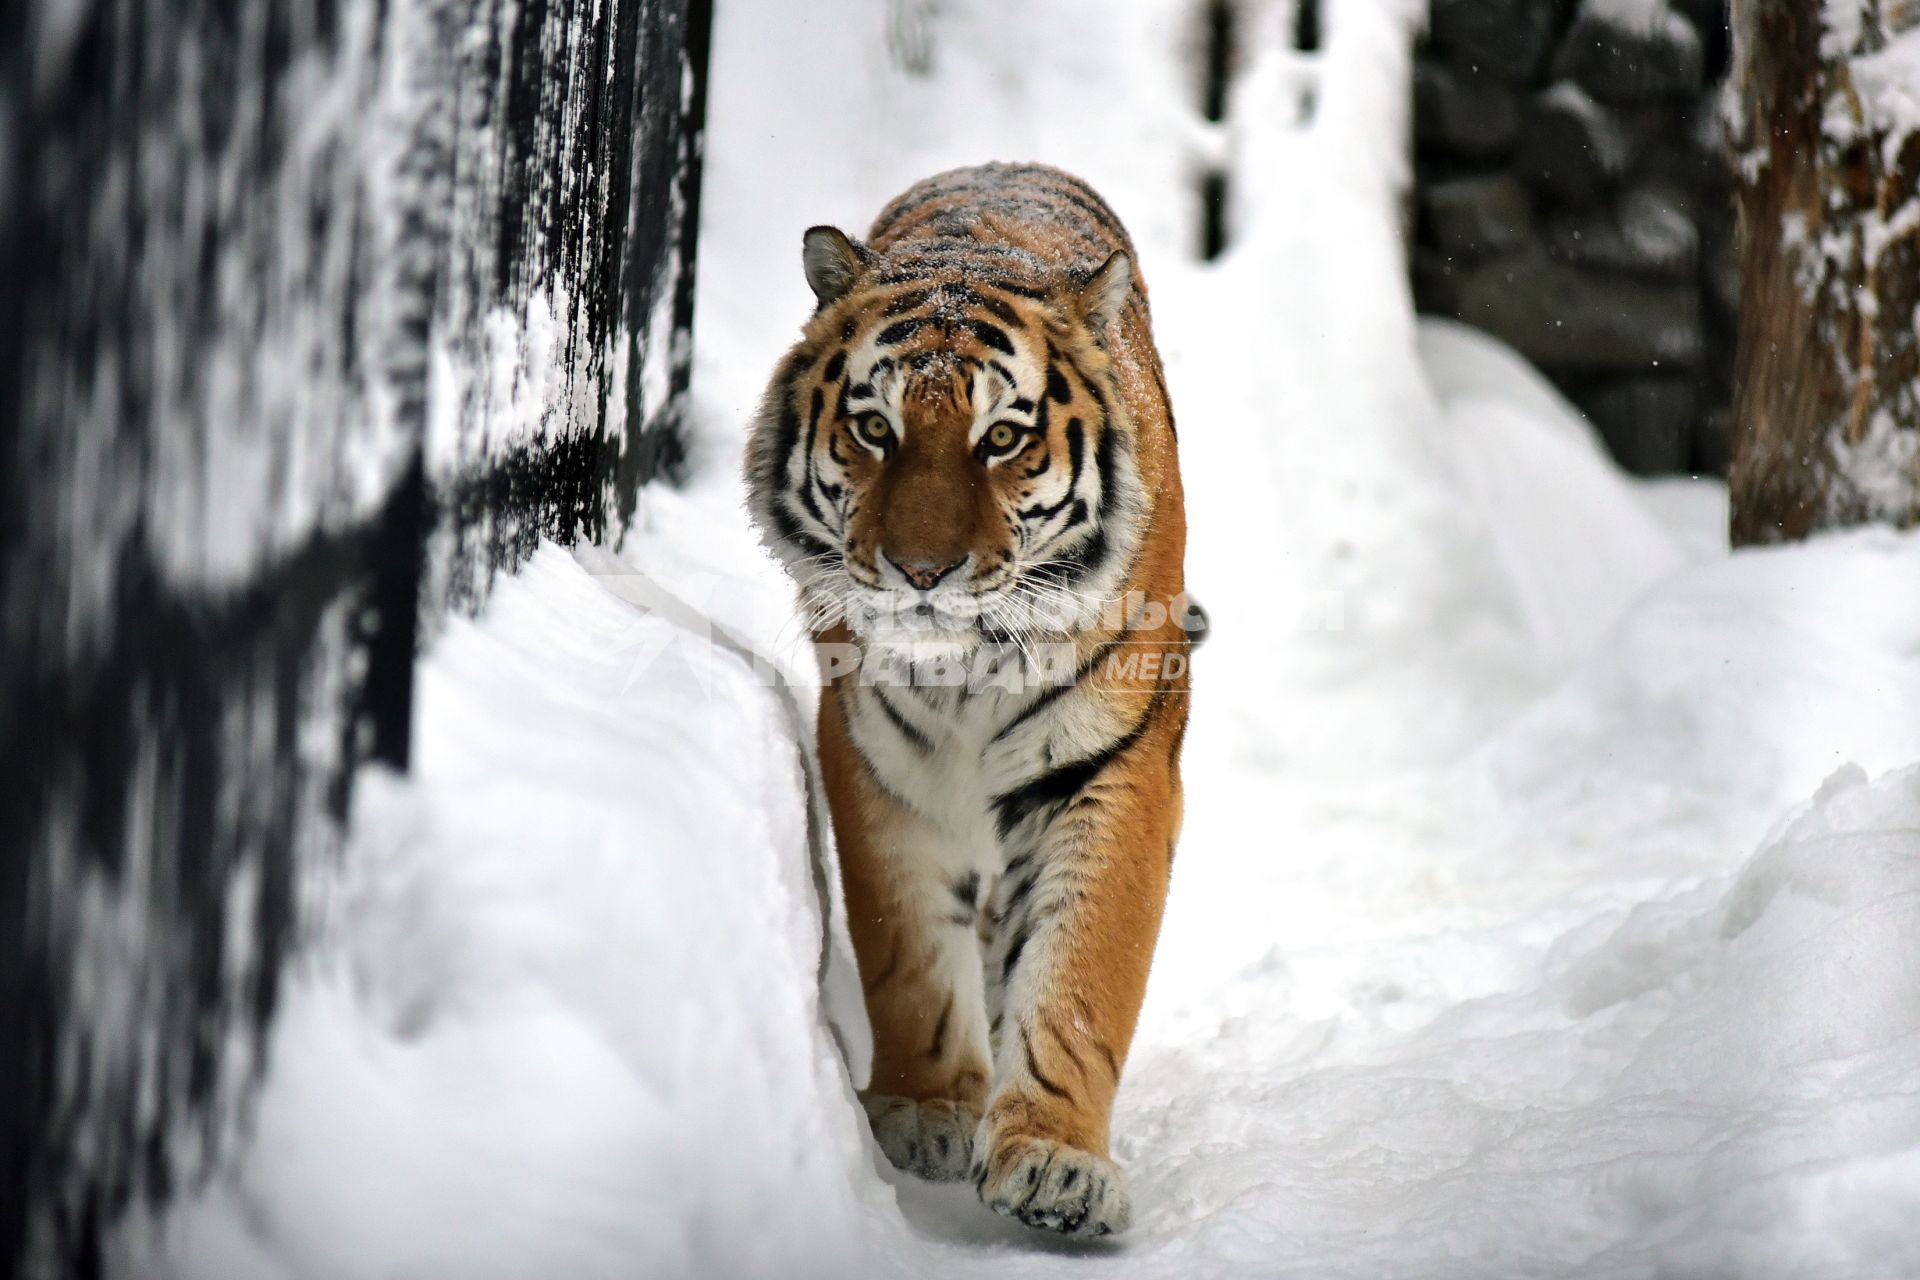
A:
[(1827, 377)]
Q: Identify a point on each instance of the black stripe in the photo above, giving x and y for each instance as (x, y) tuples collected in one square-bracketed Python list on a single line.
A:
[(1062, 784), (1054, 693), (1033, 1068), (991, 334), (995, 307), (835, 364), (1093, 389), (787, 526), (1046, 455), (940, 1028), (964, 294), (1095, 209), (1039, 204), (906, 302), (1017, 896), (817, 403), (1065, 1047), (955, 293), (831, 492), (1057, 389), (1105, 461), (786, 436), (1076, 448), (920, 258), (1016, 874), (947, 249), (873, 775), (909, 204), (808, 501), (900, 331), (1042, 175), (1018, 945), (920, 741), (1040, 187), (1006, 284), (1084, 558)]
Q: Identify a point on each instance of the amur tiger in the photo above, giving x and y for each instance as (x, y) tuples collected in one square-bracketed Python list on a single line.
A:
[(968, 465)]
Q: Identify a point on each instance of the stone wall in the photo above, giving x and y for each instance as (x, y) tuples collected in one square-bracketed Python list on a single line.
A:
[(1572, 198), (317, 314)]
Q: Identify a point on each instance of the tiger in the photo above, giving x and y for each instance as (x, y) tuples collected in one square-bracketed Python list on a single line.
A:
[(967, 459)]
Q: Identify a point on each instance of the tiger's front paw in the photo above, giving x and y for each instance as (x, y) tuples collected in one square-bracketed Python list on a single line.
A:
[(932, 1139), (1055, 1187)]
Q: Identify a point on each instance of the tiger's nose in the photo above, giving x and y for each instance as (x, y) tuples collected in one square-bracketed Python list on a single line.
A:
[(924, 574)]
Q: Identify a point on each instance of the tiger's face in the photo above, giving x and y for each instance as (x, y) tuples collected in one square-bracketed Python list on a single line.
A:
[(942, 459)]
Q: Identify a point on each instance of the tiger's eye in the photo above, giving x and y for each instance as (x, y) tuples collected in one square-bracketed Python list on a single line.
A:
[(1001, 436), (875, 428)]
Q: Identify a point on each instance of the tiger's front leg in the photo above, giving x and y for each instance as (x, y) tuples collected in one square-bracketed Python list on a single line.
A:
[(913, 907), (1076, 915)]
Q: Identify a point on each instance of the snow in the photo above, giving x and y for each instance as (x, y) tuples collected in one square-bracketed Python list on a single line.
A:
[(1881, 470), (1844, 27), (1887, 84), (1547, 894), (555, 987)]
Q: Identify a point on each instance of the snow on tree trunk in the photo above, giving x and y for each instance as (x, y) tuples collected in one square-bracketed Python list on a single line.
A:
[(1827, 377)]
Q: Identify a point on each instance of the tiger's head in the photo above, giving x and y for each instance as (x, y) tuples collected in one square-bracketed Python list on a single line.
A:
[(944, 458)]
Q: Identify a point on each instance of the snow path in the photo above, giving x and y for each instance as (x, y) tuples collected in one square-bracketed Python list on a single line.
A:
[(1547, 898)]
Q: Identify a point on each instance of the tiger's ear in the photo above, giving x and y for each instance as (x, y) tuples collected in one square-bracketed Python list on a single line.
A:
[(832, 262), (1104, 295)]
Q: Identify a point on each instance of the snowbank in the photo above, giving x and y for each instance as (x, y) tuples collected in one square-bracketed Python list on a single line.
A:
[(561, 1018), (1710, 1079)]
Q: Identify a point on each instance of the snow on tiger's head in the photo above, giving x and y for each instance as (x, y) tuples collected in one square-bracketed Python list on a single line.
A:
[(943, 458)]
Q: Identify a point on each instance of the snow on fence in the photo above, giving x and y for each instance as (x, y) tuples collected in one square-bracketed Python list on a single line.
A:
[(320, 312)]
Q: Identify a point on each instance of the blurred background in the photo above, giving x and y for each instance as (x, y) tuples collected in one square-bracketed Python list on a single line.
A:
[(373, 375)]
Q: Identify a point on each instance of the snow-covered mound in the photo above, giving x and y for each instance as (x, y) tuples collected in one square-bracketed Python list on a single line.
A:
[(1550, 877), (561, 1016)]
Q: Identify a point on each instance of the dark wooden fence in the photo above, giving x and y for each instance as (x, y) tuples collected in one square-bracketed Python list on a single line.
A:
[(266, 266)]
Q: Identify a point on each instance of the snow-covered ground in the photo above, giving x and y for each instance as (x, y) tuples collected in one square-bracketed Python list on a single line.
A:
[(1550, 889)]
